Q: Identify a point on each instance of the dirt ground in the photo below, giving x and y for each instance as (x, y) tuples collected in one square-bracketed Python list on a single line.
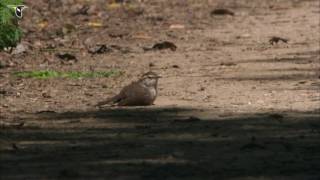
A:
[(231, 104)]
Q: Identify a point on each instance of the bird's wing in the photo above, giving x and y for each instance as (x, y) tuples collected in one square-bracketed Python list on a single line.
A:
[(124, 93), (134, 94)]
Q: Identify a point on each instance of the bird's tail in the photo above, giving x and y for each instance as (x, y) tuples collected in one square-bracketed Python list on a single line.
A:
[(109, 101)]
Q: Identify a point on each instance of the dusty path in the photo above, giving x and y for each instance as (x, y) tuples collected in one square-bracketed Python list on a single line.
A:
[(231, 104)]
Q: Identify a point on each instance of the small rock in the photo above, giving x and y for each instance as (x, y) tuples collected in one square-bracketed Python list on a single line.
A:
[(21, 48)]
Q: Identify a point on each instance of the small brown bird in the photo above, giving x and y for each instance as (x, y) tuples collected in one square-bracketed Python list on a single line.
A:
[(139, 93)]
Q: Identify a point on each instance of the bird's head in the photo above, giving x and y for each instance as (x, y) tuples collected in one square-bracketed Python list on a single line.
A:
[(150, 79)]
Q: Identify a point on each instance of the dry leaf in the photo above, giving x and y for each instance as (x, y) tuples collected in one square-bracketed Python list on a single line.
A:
[(114, 6), (177, 26), (141, 36), (95, 24), (43, 24)]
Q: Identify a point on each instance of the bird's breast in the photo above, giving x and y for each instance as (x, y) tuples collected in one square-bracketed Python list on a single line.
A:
[(153, 92)]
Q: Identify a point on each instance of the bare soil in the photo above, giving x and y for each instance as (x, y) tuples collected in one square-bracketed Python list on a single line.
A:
[(232, 104)]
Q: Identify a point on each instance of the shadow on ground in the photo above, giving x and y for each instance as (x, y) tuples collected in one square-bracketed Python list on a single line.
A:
[(162, 143)]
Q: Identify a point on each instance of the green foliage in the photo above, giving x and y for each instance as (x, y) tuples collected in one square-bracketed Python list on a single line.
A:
[(74, 75), (10, 33), (9, 36)]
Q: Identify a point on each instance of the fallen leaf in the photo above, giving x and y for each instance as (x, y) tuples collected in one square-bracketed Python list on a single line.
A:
[(95, 24), (68, 28), (140, 36), (177, 26), (99, 49), (114, 6), (222, 12), (83, 10), (228, 64), (274, 40), (46, 112), (43, 24), (66, 58), (243, 36), (151, 65), (121, 49), (162, 46), (117, 35), (46, 95)]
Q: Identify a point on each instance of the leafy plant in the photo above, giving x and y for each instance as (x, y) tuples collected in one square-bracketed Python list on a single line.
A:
[(10, 33)]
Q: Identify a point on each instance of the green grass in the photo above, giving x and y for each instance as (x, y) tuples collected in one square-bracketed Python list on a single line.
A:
[(73, 74)]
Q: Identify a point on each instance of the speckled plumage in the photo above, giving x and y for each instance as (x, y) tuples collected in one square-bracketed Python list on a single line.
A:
[(140, 93)]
